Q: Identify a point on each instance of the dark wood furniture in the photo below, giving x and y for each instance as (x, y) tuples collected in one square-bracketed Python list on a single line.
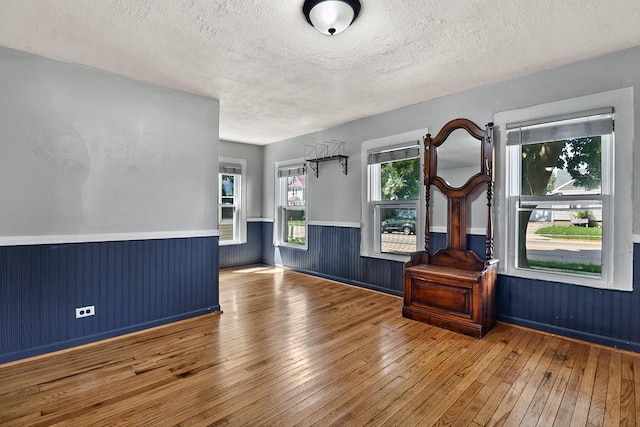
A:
[(454, 288)]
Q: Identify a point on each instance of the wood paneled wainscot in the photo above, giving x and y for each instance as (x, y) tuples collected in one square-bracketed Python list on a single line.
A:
[(454, 288)]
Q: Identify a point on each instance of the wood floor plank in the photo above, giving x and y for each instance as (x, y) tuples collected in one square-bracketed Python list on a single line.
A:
[(437, 408), (455, 409), (551, 407), (636, 387), (544, 390), (292, 349), (576, 360), (492, 378), (612, 408), (585, 393), (532, 385), (502, 413), (422, 379), (599, 395), (492, 404), (627, 407), (395, 381), (384, 381), (440, 381), (363, 413)]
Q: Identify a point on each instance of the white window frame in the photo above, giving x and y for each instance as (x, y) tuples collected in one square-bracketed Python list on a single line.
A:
[(281, 205), (617, 204), (230, 166), (370, 224)]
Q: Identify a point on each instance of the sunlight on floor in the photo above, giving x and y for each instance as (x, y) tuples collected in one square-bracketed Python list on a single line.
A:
[(260, 270)]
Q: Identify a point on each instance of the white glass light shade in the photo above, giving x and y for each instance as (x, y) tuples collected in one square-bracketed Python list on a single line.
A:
[(331, 16)]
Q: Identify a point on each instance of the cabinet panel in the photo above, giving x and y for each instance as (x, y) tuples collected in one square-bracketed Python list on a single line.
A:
[(454, 299)]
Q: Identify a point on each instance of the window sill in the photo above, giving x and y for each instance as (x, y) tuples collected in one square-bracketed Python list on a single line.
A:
[(565, 278), (230, 242), (388, 257), (291, 246)]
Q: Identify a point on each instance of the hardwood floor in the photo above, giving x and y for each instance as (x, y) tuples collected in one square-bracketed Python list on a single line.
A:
[(292, 349)]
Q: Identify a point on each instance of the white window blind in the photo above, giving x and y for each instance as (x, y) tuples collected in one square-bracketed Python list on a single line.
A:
[(292, 171), (230, 168), (394, 155), (579, 125)]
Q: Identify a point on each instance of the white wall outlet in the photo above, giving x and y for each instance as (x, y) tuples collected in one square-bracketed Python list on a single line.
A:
[(89, 310)]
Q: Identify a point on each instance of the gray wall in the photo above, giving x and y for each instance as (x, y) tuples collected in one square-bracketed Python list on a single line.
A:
[(99, 176), (604, 73), (87, 152), (333, 196), (253, 154)]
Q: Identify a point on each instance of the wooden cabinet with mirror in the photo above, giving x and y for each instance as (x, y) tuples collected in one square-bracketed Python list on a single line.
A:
[(453, 288)]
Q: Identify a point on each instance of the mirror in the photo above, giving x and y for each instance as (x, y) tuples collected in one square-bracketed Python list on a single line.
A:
[(460, 146), (458, 158)]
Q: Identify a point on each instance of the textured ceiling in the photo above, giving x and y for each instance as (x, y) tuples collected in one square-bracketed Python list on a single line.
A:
[(276, 77)]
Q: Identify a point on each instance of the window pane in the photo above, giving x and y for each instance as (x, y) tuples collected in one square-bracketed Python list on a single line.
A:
[(566, 167), (227, 187), (295, 190), (296, 230), (561, 237), (400, 180), (226, 223), (398, 230)]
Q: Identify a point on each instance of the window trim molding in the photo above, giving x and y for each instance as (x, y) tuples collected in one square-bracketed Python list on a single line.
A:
[(242, 206), (400, 140), (619, 255)]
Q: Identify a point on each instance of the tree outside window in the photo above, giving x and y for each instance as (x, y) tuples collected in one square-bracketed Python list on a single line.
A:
[(559, 200), (395, 190)]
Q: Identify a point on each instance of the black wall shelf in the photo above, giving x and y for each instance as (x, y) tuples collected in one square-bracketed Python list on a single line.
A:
[(315, 163)]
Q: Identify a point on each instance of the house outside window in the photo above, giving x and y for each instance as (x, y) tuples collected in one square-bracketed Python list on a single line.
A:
[(291, 218), (392, 191), (231, 202), (563, 217)]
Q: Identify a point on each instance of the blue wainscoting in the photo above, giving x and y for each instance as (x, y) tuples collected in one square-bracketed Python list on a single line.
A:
[(334, 253), (246, 253), (133, 285), (605, 317)]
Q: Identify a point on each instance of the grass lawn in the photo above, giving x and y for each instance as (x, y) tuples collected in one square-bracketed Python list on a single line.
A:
[(571, 232), (571, 267), (296, 240)]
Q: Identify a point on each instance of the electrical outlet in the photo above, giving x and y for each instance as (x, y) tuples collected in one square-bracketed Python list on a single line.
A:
[(89, 310)]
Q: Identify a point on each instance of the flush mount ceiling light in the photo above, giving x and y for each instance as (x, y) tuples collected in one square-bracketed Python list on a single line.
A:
[(331, 17)]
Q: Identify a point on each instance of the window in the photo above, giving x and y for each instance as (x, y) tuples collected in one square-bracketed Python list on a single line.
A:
[(390, 213), (291, 217), (560, 194), (562, 218), (231, 214), (394, 191)]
